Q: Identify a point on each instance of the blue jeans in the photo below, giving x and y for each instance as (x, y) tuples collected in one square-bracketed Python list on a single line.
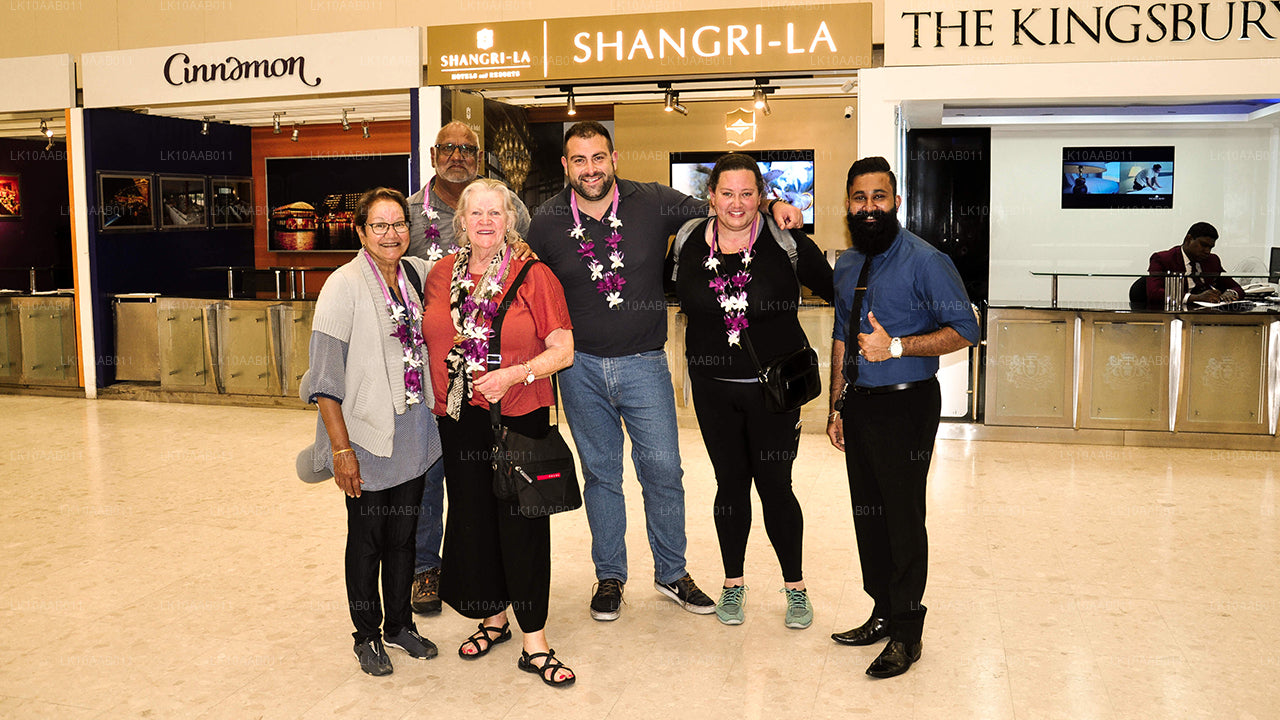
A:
[(430, 520), (599, 394)]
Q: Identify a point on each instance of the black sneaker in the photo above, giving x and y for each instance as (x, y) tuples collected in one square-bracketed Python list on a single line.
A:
[(425, 596), (688, 596), (373, 657), (411, 642), (607, 600)]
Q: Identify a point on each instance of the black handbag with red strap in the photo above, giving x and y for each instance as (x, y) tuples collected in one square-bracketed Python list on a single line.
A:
[(536, 474)]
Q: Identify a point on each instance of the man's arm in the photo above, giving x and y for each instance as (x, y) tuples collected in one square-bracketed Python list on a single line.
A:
[(835, 423), (874, 346), (1155, 283), (522, 216)]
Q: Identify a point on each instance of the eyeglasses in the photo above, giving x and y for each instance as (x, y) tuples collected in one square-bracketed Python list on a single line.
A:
[(447, 150), (381, 228)]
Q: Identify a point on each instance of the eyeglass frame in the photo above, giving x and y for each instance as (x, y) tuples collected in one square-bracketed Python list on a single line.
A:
[(400, 227), (465, 150)]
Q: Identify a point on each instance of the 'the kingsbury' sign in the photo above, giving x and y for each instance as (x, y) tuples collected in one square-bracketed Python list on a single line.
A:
[(945, 32)]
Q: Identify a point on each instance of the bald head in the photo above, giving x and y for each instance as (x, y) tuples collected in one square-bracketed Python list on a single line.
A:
[(452, 129)]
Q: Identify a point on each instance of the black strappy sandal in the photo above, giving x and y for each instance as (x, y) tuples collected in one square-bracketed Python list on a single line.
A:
[(504, 634), (552, 663)]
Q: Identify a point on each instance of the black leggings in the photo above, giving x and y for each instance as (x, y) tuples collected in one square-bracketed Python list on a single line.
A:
[(745, 442)]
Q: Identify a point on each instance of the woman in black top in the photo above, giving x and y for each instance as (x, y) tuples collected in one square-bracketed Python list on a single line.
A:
[(738, 273)]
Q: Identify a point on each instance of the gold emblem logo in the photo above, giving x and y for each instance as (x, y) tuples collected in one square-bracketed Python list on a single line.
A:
[(740, 127)]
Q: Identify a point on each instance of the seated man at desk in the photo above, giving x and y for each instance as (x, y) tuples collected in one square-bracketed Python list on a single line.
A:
[(1195, 259)]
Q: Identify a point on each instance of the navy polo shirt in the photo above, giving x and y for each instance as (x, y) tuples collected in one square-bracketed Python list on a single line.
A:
[(650, 213)]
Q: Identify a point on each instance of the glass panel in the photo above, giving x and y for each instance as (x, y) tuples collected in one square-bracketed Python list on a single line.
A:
[(1129, 378)]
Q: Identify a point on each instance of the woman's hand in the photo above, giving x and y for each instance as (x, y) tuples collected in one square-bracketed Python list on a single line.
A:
[(346, 468), (346, 472), (494, 385)]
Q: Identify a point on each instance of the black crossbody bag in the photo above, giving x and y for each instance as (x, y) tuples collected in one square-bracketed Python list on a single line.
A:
[(537, 475), (789, 380)]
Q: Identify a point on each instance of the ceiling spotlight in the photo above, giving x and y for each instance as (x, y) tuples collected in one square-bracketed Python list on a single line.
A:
[(345, 125), (44, 129), (275, 122), (204, 124), (364, 128), (572, 107), (294, 136), (760, 100), (671, 103)]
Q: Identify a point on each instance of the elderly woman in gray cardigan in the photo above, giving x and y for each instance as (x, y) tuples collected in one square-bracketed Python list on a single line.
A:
[(375, 434)]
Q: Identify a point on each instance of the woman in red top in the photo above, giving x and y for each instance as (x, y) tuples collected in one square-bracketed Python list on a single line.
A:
[(494, 557)]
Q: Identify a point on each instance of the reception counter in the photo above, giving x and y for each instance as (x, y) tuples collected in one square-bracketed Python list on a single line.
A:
[(38, 340), (1104, 366), (238, 347)]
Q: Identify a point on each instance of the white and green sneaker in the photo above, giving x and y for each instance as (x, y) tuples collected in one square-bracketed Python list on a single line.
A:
[(799, 610), (729, 609)]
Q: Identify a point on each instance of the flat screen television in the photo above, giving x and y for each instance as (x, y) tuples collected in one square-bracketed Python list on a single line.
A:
[(313, 199), (788, 175), (1117, 177)]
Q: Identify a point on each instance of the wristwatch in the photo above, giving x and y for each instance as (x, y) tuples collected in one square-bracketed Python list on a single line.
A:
[(529, 376), (895, 347)]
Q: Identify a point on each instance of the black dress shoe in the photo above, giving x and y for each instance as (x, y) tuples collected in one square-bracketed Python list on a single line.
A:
[(872, 630), (895, 659)]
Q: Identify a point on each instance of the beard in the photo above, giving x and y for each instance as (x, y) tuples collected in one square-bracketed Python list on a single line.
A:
[(457, 174), (580, 187), (873, 237)]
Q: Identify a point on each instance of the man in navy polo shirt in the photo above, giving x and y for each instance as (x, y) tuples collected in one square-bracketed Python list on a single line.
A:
[(910, 307)]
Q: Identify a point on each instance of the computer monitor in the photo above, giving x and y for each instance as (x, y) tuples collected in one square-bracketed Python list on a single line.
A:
[(1275, 265)]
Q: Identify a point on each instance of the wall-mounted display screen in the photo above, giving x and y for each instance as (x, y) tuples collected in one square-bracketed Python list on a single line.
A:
[(313, 199), (1117, 177), (788, 175)]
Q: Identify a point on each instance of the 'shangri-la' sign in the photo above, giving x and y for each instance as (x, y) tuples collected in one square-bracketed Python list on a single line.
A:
[(791, 39)]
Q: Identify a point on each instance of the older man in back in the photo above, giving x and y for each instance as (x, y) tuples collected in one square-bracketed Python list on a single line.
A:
[(455, 157)]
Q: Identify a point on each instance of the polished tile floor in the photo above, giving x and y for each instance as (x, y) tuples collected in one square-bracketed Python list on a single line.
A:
[(162, 561)]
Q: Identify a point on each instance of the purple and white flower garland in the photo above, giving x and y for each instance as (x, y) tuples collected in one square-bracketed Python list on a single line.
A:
[(434, 252), (731, 292), (608, 282), (407, 319), (473, 314)]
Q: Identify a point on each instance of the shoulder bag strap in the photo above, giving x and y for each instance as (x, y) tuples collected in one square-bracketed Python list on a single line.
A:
[(495, 342)]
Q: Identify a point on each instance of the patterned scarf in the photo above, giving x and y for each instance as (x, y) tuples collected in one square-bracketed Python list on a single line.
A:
[(472, 306)]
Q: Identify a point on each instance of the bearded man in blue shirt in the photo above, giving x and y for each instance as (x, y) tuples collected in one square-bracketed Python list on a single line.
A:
[(900, 304)]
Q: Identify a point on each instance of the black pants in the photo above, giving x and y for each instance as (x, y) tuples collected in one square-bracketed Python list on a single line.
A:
[(493, 556), (747, 442), (888, 446), (381, 527)]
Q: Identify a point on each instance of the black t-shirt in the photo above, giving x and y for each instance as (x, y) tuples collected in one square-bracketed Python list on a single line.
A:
[(773, 299), (650, 213)]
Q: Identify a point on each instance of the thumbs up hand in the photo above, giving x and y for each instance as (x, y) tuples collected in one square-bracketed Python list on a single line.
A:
[(874, 346)]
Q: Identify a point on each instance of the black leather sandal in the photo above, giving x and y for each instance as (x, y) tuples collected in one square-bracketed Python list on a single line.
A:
[(552, 663), (504, 634)]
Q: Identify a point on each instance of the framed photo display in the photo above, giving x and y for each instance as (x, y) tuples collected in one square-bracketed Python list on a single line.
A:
[(182, 202), (10, 197), (232, 201), (125, 202)]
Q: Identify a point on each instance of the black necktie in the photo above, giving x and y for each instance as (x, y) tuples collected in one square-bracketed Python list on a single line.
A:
[(851, 356)]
